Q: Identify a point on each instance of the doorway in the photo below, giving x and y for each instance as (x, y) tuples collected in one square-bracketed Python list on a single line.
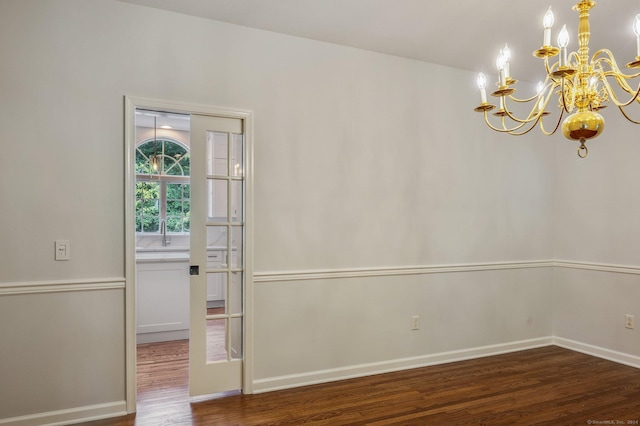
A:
[(162, 225), (212, 309)]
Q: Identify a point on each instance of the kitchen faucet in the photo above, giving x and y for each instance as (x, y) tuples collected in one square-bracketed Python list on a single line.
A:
[(163, 231)]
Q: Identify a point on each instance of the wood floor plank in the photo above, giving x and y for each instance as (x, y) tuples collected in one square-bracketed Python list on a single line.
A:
[(547, 385)]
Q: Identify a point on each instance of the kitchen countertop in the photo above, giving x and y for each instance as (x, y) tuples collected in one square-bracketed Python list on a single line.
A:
[(167, 254)]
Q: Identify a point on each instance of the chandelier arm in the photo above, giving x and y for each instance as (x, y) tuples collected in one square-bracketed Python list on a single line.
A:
[(491, 126), (633, 99), (626, 116), (534, 115), (538, 120), (548, 90), (607, 86), (513, 131), (533, 125), (598, 63), (623, 84), (556, 126), (562, 90), (621, 78), (546, 65), (513, 98), (574, 60), (550, 69), (611, 61), (524, 121), (504, 127), (548, 84)]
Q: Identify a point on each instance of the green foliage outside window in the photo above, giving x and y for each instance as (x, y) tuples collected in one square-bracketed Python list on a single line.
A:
[(158, 196), (178, 207), (147, 206)]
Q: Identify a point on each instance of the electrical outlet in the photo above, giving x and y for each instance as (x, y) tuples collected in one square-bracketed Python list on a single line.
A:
[(628, 321), (415, 322)]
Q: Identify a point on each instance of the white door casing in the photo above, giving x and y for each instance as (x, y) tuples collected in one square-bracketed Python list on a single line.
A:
[(246, 117)]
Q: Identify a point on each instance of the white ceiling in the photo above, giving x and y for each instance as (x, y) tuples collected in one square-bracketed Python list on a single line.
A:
[(464, 34), (157, 119)]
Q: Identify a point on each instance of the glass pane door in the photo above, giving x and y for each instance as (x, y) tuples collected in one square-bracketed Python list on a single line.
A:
[(217, 249)]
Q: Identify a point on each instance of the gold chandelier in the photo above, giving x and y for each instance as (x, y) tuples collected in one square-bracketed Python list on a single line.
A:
[(583, 86)]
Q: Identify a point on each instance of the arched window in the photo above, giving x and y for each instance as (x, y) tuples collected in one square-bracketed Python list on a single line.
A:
[(162, 186)]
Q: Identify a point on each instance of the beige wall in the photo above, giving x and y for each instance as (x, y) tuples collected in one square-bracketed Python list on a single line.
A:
[(361, 161), (597, 205), (60, 350)]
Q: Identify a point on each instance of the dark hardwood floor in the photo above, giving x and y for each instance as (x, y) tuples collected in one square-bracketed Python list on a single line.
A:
[(548, 385)]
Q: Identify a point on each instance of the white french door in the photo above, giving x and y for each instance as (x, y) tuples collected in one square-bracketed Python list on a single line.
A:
[(217, 254)]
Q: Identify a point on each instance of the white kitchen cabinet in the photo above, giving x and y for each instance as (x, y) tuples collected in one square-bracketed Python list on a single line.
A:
[(162, 301), (216, 285)]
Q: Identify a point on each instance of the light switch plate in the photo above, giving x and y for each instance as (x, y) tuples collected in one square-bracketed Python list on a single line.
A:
[(63, 250)]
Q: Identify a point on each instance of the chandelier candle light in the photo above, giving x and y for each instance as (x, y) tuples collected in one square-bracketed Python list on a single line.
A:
[(583, 86)]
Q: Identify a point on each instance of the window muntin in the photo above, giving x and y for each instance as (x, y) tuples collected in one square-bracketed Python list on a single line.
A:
[(162, 194)]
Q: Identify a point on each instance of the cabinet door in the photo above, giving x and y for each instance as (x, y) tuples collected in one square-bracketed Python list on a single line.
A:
[(163, 297), (216, 287), (215, 282)]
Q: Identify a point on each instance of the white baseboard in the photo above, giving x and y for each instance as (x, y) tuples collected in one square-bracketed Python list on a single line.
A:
[(334, 374), (72, 415), (608, 354)]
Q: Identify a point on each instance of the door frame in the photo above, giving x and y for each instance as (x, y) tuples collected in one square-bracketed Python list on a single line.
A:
[(131, 104)]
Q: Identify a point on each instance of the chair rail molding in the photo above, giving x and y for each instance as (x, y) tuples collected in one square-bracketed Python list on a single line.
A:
[(322, 274), (57, 286)]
